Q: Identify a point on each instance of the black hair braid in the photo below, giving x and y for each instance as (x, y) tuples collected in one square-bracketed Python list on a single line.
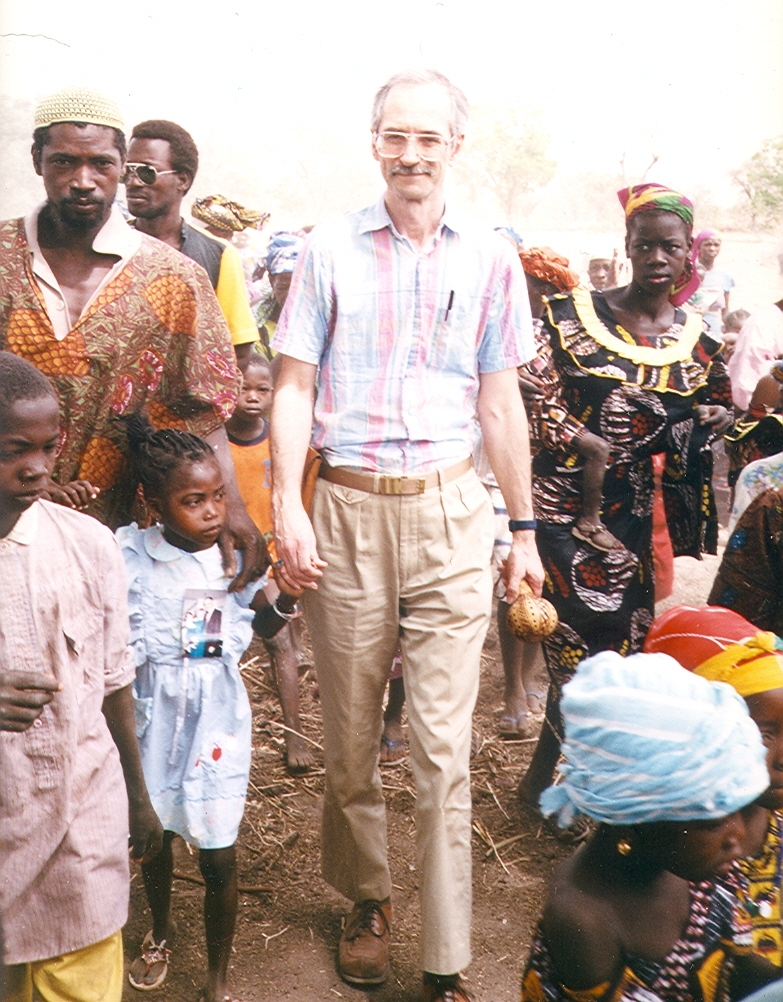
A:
[(156, 455)]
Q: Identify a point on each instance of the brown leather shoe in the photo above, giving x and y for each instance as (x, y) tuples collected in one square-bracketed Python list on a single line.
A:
[(363, 954), (444, 988)]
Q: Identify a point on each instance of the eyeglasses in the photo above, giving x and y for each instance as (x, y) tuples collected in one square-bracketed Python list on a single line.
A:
[(145, 173), (428, 146)]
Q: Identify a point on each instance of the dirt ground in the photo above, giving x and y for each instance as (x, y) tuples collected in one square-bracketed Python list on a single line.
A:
[(289, 919)]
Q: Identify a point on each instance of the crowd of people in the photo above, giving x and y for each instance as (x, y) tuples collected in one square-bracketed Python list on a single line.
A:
[(416, 415)]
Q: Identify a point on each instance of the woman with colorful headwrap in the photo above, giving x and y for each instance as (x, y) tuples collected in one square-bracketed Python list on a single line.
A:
[(665, 762), (721, 646), (638, 372)]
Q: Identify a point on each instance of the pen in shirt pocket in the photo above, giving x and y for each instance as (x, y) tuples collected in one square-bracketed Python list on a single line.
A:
[(448, 308)]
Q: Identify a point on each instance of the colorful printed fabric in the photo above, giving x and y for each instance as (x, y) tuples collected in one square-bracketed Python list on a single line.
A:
[(650, 197), (756, 477), (639, 395), (646, 741), (401, 337), (697, 967), (750, 577), (760, 891), (543, 263), (154, 339), (750, 439)]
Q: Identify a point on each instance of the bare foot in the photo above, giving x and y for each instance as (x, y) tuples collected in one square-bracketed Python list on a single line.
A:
[(298, 757)]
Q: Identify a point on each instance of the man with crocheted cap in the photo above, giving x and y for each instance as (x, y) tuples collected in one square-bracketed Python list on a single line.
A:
[(162, 163), (116, 319)]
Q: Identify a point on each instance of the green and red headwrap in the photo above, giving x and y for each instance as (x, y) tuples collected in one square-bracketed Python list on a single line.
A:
[(649, 197), (657, 197)]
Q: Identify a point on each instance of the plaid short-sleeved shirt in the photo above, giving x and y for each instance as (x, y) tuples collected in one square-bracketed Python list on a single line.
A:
[(400, 337)]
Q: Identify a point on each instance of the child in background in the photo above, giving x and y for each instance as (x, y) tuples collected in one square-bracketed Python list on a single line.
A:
[(732, 325), (248, 436), (193, 719)]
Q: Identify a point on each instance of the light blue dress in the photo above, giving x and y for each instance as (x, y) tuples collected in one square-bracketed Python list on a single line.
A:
[(193, 717)]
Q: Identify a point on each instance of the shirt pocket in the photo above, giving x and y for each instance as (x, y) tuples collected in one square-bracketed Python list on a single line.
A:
[(83, 635)]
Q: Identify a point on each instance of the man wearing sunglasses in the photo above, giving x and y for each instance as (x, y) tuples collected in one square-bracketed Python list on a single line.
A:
[(162, 163), (403, 325), (118, 321)]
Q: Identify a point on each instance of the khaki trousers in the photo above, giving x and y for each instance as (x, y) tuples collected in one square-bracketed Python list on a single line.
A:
[(413, 569)]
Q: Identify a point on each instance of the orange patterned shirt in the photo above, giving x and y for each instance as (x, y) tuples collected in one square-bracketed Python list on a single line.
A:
[(154, 339)]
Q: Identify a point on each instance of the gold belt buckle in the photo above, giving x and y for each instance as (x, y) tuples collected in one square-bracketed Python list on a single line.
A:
[(395, 485), (390, 485)]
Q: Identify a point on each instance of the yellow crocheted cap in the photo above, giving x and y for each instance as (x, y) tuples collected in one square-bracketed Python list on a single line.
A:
[(78, 104)]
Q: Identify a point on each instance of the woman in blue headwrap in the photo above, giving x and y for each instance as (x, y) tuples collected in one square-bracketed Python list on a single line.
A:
[(665, 762), (638, 372)]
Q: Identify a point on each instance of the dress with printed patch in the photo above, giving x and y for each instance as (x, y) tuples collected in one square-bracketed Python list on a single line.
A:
[(193, 719), (639, 395)]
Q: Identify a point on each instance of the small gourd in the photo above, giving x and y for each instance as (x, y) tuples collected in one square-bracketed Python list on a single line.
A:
[(529, 617)]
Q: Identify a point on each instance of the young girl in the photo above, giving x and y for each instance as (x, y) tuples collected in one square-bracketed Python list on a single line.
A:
[(188, 633)]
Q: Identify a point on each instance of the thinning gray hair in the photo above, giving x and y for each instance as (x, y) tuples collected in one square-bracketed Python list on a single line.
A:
[(459, 103)]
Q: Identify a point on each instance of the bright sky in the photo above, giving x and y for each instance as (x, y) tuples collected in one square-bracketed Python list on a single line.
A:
[(697, 82)]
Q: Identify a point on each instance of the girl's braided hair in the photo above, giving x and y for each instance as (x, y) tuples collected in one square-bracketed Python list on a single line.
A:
[(155, 455)]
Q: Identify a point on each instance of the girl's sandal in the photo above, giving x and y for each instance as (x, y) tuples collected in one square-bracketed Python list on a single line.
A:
[(150, 969), (596, 535)]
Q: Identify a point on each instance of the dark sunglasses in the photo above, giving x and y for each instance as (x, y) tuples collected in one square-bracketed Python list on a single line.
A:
[(146, 173)]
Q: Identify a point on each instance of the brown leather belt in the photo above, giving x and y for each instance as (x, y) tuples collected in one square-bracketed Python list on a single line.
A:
[(379, 483)]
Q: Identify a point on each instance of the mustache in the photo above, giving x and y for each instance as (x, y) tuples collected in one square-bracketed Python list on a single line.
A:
[(402, 169), (78, 200)]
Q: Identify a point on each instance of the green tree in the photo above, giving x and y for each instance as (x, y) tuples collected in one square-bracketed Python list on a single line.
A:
[(506, 154), (761, 180)]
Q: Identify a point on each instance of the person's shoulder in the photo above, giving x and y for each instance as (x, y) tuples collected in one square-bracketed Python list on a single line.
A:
[(83, 529), (159, 257), (10, 228), (580, 932), (12, 236)]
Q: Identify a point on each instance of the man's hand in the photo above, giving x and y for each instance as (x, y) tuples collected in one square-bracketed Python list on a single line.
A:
[(77, 494), (146, 831), (299, 565), (523, 563), (715, 415), (240, 533), (23, 695)]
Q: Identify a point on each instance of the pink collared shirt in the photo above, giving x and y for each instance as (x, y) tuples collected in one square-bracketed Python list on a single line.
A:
[(401, 336), (63, 805)]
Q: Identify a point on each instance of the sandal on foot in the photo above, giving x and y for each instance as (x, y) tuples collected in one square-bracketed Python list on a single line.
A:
[(510, 726), (392, 751), (150, 969), (598, 536)]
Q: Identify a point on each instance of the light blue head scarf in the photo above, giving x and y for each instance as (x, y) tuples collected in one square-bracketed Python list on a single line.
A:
[(647, 740), (283, 250)]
